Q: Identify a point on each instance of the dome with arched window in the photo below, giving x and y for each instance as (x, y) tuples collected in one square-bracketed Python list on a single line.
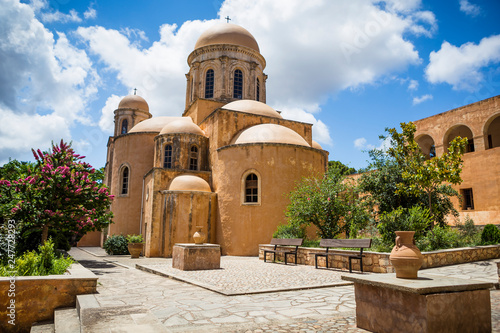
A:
[(189, 183), (253, 107), (227, 33), (133, 102)]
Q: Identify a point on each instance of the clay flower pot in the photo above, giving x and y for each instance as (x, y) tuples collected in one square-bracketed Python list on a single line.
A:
[(135, 249), (199, 237), (405, 256)]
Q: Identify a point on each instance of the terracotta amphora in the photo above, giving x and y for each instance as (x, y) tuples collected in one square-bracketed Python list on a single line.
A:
[(199, 237), (405, 256)]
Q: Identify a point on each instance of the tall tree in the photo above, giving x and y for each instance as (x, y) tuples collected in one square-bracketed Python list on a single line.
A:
[(419, 172), (329, 202)]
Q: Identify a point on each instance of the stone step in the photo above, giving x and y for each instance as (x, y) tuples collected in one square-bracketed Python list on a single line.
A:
[(43, 327), (66, 321)]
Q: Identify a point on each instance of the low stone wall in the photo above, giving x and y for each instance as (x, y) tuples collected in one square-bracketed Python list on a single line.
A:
[(378, 262), (29, 299)]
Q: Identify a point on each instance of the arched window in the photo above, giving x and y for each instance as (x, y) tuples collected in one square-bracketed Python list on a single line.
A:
[(193, 158), (257, 94), (124, 126), (167, 160), (125, 179), (238, 84), (209, 84), (251, 188)]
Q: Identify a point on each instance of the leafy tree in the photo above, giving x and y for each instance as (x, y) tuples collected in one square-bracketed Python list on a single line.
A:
[(419, 173), (382, 180), (341, 167), (330, 203), (57, 193)]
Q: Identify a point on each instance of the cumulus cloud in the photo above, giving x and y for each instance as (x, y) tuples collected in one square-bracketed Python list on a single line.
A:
[(45, 82), (106, 123), (90, 13), (313, 49), (362, 144), (421, 99), (461, 66), (469, 8)]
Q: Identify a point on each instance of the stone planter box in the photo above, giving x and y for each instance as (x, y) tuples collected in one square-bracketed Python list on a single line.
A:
[(36, 297), (378, 262)]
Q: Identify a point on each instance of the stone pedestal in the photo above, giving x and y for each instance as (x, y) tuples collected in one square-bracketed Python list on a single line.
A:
[(192, 257), (385, 303)]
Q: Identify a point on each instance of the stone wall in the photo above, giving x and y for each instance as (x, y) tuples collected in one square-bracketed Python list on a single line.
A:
[(36, 297), (378, 262)]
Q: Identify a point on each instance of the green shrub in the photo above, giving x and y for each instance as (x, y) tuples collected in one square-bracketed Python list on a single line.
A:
[(134, 238), (311, 243), (116, 244), (439, 238), (490, 235), (415, 219), (469, 232), (289, 231), (46, 262)]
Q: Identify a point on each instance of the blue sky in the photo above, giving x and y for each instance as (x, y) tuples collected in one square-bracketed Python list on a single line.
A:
[(352, 68)]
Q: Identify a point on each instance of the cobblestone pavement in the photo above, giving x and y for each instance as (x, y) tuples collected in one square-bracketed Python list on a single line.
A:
[(135, 301), (237, 276)]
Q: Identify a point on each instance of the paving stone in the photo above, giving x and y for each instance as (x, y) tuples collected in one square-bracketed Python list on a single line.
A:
[(182, 307)]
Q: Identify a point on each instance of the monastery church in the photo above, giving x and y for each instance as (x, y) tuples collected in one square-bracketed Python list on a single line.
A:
[(225, 165)]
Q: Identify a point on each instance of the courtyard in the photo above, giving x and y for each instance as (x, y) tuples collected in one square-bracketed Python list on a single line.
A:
[(245, 295)]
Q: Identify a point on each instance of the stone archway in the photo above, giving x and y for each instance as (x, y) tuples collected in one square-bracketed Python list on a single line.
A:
[(427, 145), (492, 132), (462, 131)]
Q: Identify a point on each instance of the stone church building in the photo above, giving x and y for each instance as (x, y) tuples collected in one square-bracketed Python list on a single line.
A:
[(225, 165)]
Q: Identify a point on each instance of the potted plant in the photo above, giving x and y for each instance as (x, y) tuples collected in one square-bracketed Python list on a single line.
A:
[(135, 245)]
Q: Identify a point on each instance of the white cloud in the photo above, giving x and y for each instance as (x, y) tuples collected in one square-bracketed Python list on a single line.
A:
[(106, 123), (413, 85), (57, 16), (45, 82), (313, 49), (461, 66), (362, 144), (320, 133), (421, 99), (90, 13), (469, 8)]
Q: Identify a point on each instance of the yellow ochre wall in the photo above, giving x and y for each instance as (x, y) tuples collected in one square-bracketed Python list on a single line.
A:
[(242, 227), (481, 168)]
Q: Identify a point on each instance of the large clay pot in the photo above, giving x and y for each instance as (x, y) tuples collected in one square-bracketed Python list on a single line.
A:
[(135, 249), (199, 237), (405, 256)]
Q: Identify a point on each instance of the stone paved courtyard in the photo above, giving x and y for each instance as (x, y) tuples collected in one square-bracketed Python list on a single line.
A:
[(132, 300)]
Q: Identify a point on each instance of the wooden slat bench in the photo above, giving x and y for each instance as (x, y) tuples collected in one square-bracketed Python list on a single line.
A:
[(284, 246), (349, 243)]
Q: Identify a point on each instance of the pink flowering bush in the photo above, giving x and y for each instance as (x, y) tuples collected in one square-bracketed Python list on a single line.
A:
[(59, 193)]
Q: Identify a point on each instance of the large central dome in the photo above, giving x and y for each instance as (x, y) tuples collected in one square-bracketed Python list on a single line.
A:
[(227, 33)]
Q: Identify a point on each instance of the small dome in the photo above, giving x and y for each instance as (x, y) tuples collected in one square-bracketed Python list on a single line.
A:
[(254, 107), (184, 125), (227, 33), (316, 145), (189, 183), (133, 102), (153, 124), (269, 133)]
